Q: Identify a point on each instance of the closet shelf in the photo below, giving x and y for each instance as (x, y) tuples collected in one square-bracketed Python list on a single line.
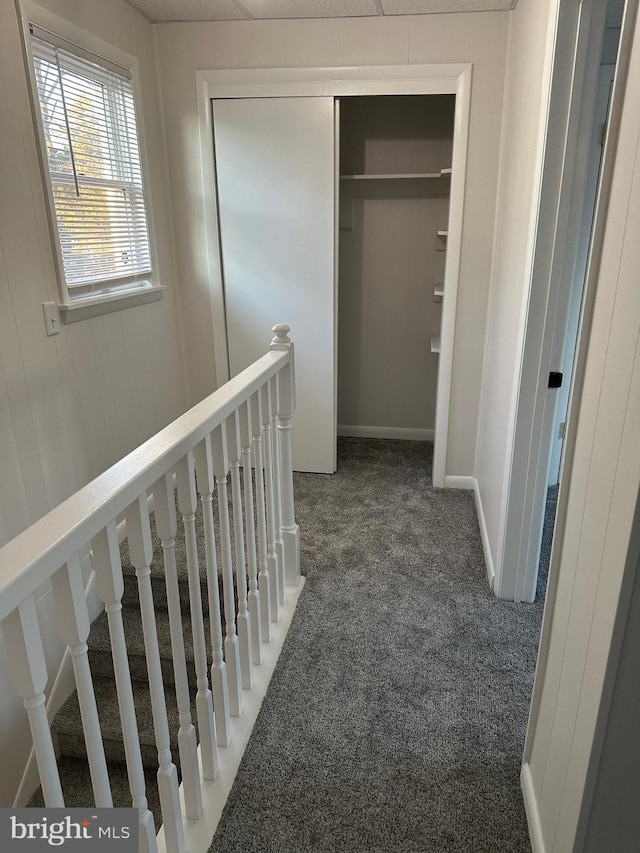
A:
[(403, 176), (435, 343)]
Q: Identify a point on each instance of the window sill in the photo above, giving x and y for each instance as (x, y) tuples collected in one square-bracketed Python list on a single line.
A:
[(84, 309)]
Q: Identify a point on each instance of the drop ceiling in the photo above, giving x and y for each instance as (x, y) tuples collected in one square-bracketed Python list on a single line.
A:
[(234, 10)]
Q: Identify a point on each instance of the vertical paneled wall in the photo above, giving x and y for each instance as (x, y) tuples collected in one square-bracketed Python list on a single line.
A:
[(72, 404), (479, 38), (602, 490), (75, 403)]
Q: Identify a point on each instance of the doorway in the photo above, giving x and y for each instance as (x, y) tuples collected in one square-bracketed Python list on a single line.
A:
[(320, 87), (395, 178), (570, 331), (561, 211)]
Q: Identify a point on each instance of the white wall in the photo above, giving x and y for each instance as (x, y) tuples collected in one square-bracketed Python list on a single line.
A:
[(479, 38), (603, 483), (526, 97), (73, 404)]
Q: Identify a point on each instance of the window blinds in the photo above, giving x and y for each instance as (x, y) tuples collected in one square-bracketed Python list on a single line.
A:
[(91, 142)]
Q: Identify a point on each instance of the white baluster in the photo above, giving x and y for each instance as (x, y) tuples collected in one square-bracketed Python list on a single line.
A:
[(272, 559), (286, 407), (244, 625), (188, 503), (252, 563), (204, 475), (231, 648), (72, 620), (28, 672), (264, 584), (164, 506), (141, 555), (108, 569), (277, 494)]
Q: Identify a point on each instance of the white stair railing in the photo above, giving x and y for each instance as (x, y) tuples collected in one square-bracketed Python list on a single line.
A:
[(243, 622), (166, 526), (264, 580), (286, 406), (187, 504), (235, 426)]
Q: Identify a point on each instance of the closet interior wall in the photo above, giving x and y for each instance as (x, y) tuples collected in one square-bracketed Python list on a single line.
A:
[(392, 261)]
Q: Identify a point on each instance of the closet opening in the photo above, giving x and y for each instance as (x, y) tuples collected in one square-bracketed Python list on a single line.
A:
[(395, 159), (275, 200)]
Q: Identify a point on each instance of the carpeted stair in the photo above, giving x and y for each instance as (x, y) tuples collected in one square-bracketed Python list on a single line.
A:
[(67, 725)]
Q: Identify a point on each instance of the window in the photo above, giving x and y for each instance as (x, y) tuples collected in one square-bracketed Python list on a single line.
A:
[(91, 148)]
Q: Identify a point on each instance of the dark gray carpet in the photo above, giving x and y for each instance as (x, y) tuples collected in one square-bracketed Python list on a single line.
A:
[(396, 716), (550, 510)]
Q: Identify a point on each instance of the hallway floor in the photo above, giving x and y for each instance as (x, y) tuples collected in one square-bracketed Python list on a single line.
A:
[(396, 716)]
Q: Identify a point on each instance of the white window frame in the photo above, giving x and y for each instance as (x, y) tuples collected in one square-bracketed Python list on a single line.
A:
[(151, 290)]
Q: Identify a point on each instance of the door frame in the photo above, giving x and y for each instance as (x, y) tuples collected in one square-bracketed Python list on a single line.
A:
[(441, 79), (580, 26), (606, 74)]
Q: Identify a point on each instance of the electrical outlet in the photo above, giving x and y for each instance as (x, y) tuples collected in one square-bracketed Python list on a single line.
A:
[(51, 318)]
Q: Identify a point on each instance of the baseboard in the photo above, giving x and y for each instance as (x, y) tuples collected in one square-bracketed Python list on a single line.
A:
[(386, 432), (531, 808), (198, 833), (484, 535), (459, 482)]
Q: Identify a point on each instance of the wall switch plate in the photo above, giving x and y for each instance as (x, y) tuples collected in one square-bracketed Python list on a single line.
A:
[(51, 318)]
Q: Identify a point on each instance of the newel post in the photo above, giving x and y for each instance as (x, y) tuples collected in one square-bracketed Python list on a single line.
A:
[(285, 409)]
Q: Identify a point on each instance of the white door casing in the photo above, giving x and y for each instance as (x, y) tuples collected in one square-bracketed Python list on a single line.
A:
[(277, 83), (603, 97), (555, 230)]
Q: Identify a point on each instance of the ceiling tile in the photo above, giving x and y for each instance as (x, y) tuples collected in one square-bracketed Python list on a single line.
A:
[(425, 7), (310, 8), (229, 10), (189, 10)]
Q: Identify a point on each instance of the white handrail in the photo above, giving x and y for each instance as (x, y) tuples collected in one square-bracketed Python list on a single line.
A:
[(208, 442), (34, 555)]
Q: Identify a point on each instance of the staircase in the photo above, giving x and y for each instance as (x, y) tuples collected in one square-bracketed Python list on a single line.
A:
[(197, 586), (67, 724)]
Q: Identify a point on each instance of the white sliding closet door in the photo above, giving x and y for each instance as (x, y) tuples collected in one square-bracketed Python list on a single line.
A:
[(275, 166)]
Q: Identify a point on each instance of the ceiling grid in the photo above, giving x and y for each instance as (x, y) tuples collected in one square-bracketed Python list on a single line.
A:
[(238, 10)]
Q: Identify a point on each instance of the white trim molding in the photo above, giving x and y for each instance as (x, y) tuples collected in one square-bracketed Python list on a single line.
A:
[(83, 309), (572, 71), (455, 481), (438, 79), (445, 78), (471, 483), (484, 535), (397, 433), (531, 809)]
